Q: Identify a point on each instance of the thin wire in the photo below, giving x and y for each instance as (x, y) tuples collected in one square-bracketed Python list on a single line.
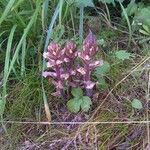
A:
[(73, 123), (147, 115)]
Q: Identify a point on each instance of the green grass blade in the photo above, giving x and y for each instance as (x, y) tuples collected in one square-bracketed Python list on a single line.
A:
[(6, 66), (128, 22), (44, 12), (23, 57), (19, 2), (49, 34), (81, 23), (108, 13), (8, 51), (6, 11), (46, 106), (2, 33), (60, 12), (26, 30), (50, 29)]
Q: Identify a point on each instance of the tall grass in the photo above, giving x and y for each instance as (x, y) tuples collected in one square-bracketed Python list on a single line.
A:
[(128, 22), (6, 70), (25, 25), (9, 63), (7, 10), (31, 26)]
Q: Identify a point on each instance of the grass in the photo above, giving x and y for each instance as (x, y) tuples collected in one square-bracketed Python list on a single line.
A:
[(128, 22), (26, 30)]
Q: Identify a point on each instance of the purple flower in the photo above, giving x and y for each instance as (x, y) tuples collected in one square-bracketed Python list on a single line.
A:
[(61, 61), (54, 55), (70, 51), (49, 74), (90, 48), (55, 58), (70, 56), (64, 70)]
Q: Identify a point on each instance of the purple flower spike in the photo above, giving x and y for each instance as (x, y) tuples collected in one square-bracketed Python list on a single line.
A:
[(65, 72), (61, 61), (90, 48), (54, 55), (70, 56), (90, 45), (55, 59)]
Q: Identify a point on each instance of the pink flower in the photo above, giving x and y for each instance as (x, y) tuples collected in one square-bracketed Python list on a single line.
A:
[(90, 45), (89, 84), (48, 73), (65, 71), (55, 51), (70, 51), (90, 48)]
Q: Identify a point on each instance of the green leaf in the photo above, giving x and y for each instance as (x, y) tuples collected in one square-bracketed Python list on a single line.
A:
[(86, 104), (108, 1), (122, 55), (131, 8), (2, 107), (74, 105), (142, 16), (6, 11), (144, 32), (103, 69), (77, 92), (137, 104), (84, 3), (146, 28), (102, 84), (102, 42)]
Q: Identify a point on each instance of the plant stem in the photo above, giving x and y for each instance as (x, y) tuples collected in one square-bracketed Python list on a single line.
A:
[(81, 22)]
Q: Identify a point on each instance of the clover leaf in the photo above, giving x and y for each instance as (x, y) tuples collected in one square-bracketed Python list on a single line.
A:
[(74, 105), (86, 103), (77, 92), (79, 101), (122, 55)]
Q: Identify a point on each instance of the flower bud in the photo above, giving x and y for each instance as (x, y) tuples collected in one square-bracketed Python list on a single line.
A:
[(90, 45)]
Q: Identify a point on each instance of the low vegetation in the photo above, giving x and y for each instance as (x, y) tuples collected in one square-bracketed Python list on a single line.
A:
[(74, 74)]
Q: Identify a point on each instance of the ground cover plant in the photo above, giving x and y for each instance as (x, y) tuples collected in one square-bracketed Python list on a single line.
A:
[(74, 74)]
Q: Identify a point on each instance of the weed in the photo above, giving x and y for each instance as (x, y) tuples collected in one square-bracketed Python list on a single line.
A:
[(104, 101)]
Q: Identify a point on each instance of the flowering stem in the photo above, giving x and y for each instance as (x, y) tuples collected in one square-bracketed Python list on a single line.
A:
[(87, 75), (87, 79), (59, 80)]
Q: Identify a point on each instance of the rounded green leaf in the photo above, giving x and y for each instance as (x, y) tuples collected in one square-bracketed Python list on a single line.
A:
[(103, 69), (73, 105), (137, 104), (86, 104), (102, 84), (77, 92), (122, 55)]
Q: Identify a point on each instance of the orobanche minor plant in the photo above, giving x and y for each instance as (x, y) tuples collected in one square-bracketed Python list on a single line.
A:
[(71, 69)]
